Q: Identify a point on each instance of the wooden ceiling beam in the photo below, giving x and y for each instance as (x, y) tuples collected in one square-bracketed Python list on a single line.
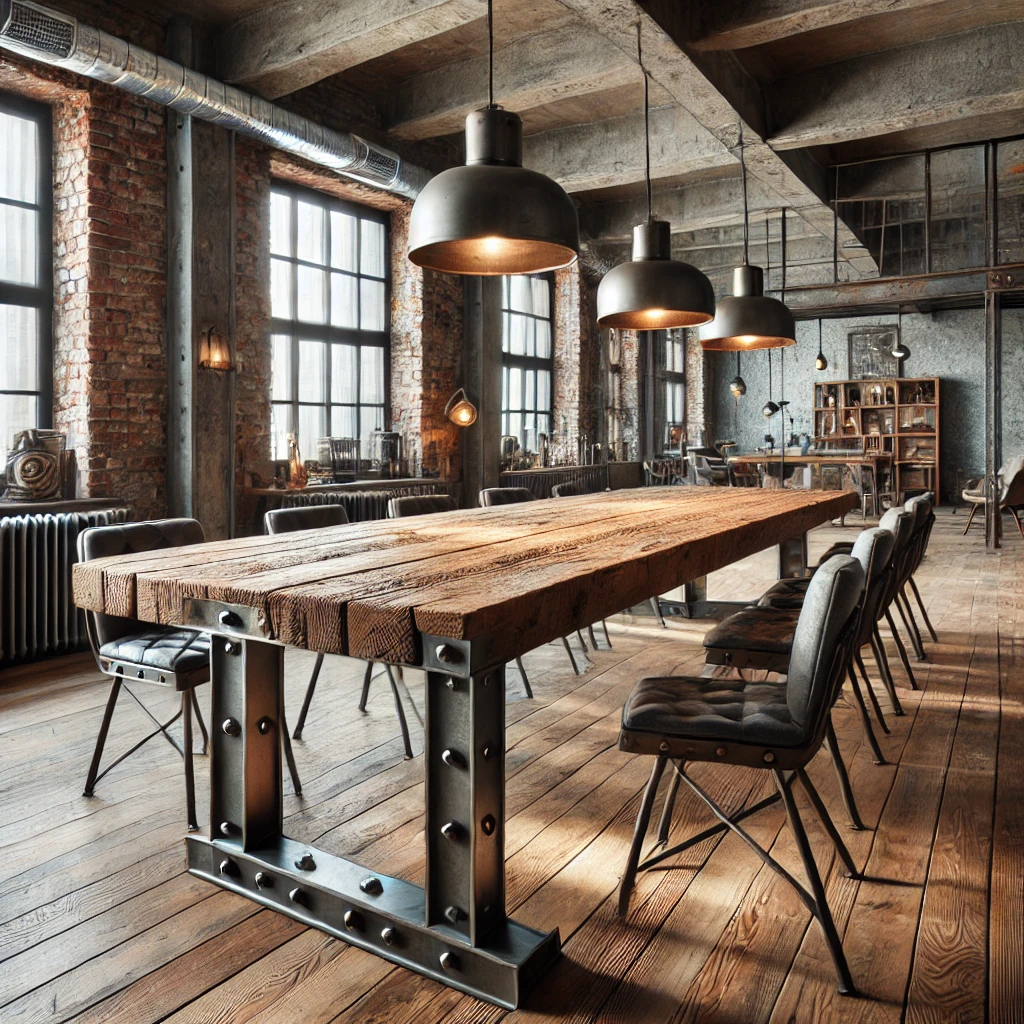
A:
[(298, 42)]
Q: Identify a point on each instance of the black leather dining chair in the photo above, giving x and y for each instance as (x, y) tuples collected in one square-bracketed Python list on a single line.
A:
[(130, 650), (684, 719), (319, 517), (420, 505)]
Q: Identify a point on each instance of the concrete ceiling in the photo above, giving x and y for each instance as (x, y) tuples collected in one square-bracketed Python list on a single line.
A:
[(814, 82)]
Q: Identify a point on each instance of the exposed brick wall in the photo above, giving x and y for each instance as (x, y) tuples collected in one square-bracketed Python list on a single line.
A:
[(577, 398)]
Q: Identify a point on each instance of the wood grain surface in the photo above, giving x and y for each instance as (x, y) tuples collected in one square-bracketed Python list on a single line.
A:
[(519, 575)]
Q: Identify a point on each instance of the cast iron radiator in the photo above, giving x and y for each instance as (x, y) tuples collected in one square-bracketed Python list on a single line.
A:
[(361, 506), (591, 479), (37, 615)]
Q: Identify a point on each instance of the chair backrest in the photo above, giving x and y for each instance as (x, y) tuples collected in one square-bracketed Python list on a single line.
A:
[(822, 641), (491, 496), (900, 523), (921, 509), (124, 539), (1012, 489), (420, 505), (873, 549), (306, 517), (566, 490)]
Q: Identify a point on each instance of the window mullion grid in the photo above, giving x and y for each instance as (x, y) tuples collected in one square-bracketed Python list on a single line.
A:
[(329, 346)]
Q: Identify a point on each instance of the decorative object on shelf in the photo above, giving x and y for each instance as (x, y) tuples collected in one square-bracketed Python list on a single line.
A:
[(748, 319), (35, 466), (738, 386), (460, 410), (386, 454), (214, 350), (871, 353), (297, 476), (653, 291), (899, 350), (820, 362), (493, 216)]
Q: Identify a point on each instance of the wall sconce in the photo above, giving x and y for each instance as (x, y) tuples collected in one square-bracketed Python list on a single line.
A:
[(460, 410), (214, 350)]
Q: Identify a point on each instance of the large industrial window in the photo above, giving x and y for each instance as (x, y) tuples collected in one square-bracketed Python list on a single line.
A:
[(26, 268), (329, 296), (527, 330), (673, 373)]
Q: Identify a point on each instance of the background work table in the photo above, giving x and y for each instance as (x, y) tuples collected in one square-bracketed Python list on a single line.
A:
[(517, 575)]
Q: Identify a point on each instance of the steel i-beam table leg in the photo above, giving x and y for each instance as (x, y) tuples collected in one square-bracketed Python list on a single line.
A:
[(455, 930), (793, 557)]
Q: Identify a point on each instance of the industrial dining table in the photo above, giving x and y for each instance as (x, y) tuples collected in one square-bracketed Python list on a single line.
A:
[(458, 595)]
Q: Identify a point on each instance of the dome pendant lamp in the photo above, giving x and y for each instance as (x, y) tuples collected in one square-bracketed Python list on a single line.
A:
[(493, 216), (820, 362), (748, 319), (899, 350), (653, 292)]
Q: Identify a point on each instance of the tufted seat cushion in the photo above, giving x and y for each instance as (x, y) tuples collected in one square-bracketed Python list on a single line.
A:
[(755, 629), (176, 651), (712, 709)]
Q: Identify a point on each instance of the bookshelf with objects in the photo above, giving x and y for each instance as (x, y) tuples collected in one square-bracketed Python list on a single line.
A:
[(896, 419)]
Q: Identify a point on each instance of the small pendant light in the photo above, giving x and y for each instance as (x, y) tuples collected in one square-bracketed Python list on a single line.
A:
[(899, 350), (738, 386), (820, 362), (769, 409), (493, 216), (460, 410), (653, 291), (748, 319)]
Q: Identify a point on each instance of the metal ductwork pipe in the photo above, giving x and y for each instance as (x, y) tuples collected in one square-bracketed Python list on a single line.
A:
[(59, 40)]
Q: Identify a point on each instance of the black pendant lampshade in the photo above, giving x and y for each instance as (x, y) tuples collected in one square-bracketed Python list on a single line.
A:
[(748, 319), (653, 291), (738, 386), (493, 216), (899, 350), (820, 362)]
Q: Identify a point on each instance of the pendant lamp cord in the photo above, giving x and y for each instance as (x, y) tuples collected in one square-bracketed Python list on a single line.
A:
[(769, 375), (647, 124), (490, 53), (767, 255), (746, 215)]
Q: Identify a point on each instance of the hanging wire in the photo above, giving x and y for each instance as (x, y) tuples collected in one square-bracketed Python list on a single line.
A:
[(490, 53), (746, 214), (767, 255), (769, 375), (647, 124)]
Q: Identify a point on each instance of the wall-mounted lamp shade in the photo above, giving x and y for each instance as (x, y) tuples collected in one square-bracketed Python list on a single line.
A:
[(460, 410), (493, 216), (769, 409), (652, 291), (738, 386), (214, 350), (748, 319)]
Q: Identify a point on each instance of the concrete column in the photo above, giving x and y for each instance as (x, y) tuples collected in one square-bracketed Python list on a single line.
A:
[(481, 464)]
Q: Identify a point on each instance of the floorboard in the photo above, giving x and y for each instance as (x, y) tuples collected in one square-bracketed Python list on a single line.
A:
[(100, 923)]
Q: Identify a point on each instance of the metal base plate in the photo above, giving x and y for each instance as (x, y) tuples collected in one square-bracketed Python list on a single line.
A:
[(336, 897)]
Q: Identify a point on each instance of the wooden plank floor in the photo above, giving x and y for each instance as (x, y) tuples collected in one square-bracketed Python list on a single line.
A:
[(99, 922)]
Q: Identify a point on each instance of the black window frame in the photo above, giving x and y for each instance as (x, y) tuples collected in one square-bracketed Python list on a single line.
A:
[(41, 295), (299, 330), (670, 375), (509, 360)]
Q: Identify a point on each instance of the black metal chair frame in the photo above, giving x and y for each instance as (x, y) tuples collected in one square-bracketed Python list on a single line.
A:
[(786, 766)]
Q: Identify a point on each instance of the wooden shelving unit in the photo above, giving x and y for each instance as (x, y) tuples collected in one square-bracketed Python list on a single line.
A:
[(897, 417)]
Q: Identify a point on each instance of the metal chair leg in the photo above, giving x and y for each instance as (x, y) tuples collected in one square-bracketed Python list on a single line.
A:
[(829, 825), (924, 611), (869, 733), (665, 822), (400, 711), (310, 687), (824, 914), (656, 608), (871, 693), (607, 638), (583, 643), (900, 649), (526, 679), (1016, 518), (568, 650), (909, 623), (186, 743), (286, 743), (366, 686), (643, 819), (101, 739), (882, 661), (199, 719), (845, 789), (970, 518)]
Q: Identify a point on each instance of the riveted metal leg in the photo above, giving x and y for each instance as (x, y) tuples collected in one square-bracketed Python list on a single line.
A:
[(845, 790), (869, 732), (643, 819), (101, 739), (900, 649), (871, 693), (400, 711), (793, 557), (310, 687), (665, 821), (367, 676), (186, 742), (568, 650), (525, 677), (199, 719), (821, 908), (924, 611)]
